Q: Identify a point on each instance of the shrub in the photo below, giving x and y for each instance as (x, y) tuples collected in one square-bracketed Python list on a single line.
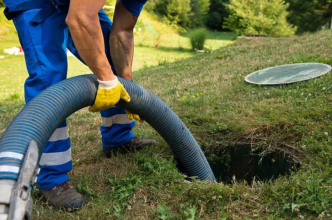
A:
[(197, 39), (259, 17)]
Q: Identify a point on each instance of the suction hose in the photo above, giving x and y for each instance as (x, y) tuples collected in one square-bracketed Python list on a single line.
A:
[(40, 117)]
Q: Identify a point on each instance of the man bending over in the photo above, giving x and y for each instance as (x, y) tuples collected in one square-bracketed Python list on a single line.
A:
[(46, 28)]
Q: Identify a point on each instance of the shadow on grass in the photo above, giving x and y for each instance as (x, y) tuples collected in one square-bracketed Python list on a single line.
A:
[(167, 49), (214, 35)]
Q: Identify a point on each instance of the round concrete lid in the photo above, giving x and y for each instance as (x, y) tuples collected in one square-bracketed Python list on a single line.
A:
[(288, 73)]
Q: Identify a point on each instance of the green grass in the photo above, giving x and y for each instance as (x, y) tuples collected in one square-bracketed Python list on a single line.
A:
[(8, 35), (172, 47), (209, 94)]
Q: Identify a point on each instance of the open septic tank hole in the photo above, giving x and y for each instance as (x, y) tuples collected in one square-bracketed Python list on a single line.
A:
[(251, 159)]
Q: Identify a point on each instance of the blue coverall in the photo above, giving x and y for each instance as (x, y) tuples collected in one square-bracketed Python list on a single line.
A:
[(44, 37)]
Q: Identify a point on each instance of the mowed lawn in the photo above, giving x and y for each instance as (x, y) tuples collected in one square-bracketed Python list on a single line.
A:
[(209, 94)]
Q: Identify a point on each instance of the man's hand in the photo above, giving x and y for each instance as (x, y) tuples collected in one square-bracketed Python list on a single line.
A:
[(132, 116), (109, 93)]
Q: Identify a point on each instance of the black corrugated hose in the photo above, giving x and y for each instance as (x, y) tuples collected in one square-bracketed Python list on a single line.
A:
[(40, 117)]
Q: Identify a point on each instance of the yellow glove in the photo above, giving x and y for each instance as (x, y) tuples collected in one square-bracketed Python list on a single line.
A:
[(109, 93), (132, 116)]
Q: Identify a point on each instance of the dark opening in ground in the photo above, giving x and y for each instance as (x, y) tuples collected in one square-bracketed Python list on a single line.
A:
[(251, 159)]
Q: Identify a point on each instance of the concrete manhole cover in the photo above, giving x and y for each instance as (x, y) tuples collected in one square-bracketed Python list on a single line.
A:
[(288, 73)]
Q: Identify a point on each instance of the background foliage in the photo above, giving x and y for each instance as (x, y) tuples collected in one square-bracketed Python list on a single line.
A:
[(259, 17), (217, 14), (200, 10), (185, 13), (310, 15), (178, 12), (305, 15)]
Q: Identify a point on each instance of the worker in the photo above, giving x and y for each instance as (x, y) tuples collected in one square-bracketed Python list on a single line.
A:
[(46, 28)]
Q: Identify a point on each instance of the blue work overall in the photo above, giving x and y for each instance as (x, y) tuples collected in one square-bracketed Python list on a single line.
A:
[(44, 37)]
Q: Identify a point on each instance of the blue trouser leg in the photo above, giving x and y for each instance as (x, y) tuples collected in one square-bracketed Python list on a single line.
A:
[(116, 128), (44, 47), (45, 53)]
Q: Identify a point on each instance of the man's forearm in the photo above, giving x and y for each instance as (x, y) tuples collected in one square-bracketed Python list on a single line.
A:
[(122, 51), (86, 32), (122, 40)]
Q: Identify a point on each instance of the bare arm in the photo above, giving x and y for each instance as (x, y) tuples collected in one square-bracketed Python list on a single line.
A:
[(84, 26), (122, 40)]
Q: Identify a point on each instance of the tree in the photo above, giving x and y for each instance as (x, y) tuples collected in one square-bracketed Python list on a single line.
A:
[(157, 6), (309, 15), (259, 17), (185, 13), (178, 12), (217, 14), (199, 9)]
